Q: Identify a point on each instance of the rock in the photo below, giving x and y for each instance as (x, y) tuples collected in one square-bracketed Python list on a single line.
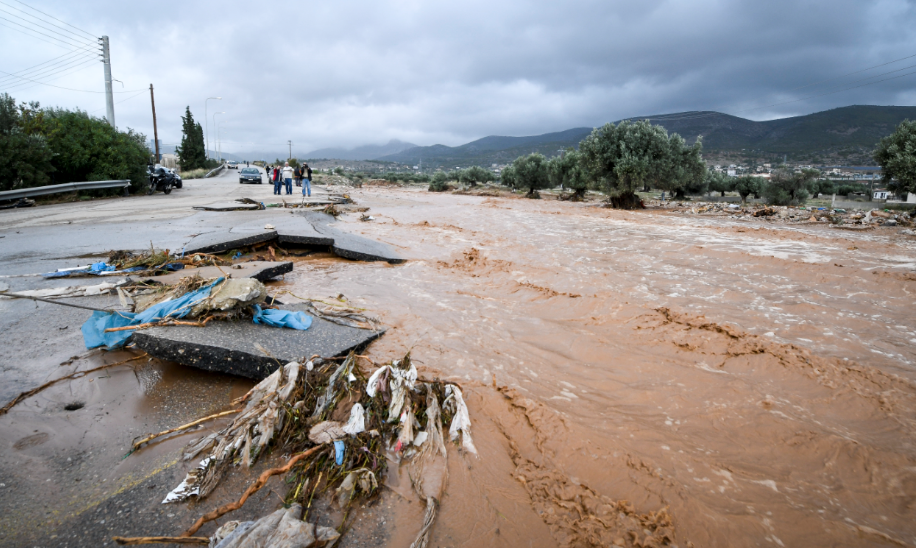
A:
[(231, 294), (890, 222), (879, 213)]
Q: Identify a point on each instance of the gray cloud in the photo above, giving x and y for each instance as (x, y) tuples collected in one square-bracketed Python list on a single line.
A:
[(357, 72)]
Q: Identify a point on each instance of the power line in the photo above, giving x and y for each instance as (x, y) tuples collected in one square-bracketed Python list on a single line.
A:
[(29, 84), (41, 67), (55, 33), (45, 72), (43, 23), (36, 34), (71, 89), (56, 19)]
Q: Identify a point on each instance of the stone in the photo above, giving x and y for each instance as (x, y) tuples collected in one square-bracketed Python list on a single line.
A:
[(235, 347)]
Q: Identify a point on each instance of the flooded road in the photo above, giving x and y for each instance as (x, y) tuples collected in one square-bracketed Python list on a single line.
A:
[(650, 378)]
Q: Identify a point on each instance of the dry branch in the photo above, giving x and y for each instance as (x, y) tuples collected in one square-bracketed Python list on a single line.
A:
[(160, 540), (254, 488), (151, 437)]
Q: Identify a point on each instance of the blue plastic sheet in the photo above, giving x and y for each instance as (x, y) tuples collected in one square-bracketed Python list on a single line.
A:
[(339, 452), (94, 334), (282, 318), (101, 267)]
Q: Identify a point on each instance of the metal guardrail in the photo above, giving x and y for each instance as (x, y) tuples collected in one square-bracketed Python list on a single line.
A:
[(65, 187), (214, 171)]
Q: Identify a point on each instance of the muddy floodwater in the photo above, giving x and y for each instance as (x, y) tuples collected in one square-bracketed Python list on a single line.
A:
[(649, 378)]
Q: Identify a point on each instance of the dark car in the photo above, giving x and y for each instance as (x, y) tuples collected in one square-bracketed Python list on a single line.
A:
[(249, 175)]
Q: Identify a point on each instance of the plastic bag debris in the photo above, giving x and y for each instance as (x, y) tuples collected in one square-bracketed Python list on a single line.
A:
[(73, 291), (357, 422), (362, 478), (281, 529), (339, 449), (282, 318), (461, 421), (326, 432), (190, 486)]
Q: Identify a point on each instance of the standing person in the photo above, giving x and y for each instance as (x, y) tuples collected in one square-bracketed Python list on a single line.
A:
[(306, 179), (288, 177), (276, 180), (297, 175)]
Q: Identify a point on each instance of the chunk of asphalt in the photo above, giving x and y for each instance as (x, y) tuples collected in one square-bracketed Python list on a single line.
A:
[(228, 206), (224, 240), (293, 229), (351, 246), (259, 270), (235, 347)]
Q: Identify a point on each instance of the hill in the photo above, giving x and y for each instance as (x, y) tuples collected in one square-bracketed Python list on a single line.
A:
[(367, 152), (844, 135)]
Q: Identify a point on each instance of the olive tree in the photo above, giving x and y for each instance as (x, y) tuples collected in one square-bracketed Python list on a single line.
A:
[(716, 181), (747, 185), (439, 182), (625, 157), (530, 172), (788, 187), (475, 174), (896, 154), (684, 169), (566, 171)]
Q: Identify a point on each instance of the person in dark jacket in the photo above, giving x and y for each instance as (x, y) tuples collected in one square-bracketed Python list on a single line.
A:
[(297, 176), (277, 182), (306, 180)]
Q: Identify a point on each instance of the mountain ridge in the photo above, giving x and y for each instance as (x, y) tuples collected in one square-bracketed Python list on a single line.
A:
[(846, 133)]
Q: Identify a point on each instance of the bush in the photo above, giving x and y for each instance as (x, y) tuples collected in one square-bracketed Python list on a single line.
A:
[(439, 182), (789, 188), (747, 185)]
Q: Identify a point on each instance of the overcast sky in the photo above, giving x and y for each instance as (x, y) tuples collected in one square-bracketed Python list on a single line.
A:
[(360, 72)]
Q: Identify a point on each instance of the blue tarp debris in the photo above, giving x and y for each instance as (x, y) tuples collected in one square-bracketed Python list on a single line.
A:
[(105, 269), (94, 334), (282, 318)]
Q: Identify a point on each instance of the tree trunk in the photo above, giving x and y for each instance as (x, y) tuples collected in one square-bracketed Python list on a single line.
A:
[(626, 201), (533, 194)]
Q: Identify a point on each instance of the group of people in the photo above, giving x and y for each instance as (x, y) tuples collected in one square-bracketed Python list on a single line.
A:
[(284, 177)]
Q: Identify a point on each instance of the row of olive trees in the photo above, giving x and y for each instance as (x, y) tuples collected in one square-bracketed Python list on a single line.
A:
[(471, 176)]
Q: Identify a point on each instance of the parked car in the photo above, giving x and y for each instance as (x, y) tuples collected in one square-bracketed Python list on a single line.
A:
[(249, 175), (232, 164)]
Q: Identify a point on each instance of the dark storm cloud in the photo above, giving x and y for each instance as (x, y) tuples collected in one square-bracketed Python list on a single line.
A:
[(350, 73)]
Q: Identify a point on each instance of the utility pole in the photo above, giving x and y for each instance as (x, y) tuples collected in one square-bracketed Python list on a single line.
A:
[(290, 157), (109, 94), (152, 99)]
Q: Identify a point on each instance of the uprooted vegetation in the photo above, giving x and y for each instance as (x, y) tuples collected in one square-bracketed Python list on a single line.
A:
[(340, 427)]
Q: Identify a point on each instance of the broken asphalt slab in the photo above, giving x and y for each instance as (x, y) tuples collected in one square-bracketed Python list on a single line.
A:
[(228, 206), (236, 347), (259, 270), (309, 228)]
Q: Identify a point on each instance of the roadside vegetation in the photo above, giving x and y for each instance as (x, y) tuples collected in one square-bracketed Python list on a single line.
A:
[(48, 146)]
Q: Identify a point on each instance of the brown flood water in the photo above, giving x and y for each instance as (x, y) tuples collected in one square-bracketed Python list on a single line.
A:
[(648, 378)]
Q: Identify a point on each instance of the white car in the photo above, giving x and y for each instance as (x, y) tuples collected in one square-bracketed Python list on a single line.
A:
[(232, 164)]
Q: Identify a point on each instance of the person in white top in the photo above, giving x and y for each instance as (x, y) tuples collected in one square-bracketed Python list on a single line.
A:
[(288, 177)]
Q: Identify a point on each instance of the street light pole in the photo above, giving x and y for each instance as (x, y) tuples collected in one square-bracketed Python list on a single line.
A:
[(219, 146), (214, 123), (207, 123)]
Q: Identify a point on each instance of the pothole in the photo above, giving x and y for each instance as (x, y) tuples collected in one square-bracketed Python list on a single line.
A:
[(73, 406)]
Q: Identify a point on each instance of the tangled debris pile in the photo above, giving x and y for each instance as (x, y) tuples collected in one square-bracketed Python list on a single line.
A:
[(858, 218), (192, 297), (341, 429)]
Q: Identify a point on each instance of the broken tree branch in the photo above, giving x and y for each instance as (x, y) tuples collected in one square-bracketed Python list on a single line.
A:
[(160, 540), (202, 323), (18, 296), (151, 437), (34, 391), (254, 488)]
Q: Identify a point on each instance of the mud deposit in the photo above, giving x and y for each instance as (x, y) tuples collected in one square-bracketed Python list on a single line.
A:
[(645, 379)]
